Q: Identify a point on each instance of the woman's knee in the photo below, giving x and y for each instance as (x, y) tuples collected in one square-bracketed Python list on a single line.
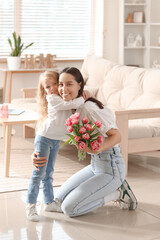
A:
[(68, 209)]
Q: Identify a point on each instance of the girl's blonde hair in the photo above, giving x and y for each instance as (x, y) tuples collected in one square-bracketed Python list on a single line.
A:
[(41, 94)]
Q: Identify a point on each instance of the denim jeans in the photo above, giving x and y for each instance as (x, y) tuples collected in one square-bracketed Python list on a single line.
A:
[(85, 191), (47, 148)]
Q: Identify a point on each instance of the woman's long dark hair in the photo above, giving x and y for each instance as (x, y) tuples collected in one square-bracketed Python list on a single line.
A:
[(79, 79), (99, 104)]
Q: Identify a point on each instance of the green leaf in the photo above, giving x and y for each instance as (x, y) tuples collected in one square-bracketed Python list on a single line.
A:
[(65, 143), (95, 135), (28, 46), (18, 47), (10, 43), (15, 39), (70, 135)]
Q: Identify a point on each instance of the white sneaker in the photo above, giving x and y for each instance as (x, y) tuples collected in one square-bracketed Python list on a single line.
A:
[(53, 206), (127, 198), (31, 212)]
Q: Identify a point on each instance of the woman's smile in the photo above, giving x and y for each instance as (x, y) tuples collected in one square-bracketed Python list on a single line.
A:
[(68, 87)]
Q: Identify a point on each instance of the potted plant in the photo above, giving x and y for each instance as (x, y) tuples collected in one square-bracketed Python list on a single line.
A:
[(17, 48)]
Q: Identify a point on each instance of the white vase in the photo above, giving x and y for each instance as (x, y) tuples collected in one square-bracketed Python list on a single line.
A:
[(14, 63)]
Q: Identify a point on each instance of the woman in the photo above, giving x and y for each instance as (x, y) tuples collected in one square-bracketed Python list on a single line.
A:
[(103, 180)]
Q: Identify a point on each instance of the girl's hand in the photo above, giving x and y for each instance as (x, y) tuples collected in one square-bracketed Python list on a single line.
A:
[(38, 161), (86, 94)]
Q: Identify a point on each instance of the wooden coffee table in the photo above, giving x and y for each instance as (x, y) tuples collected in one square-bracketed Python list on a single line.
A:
[(24, 118)]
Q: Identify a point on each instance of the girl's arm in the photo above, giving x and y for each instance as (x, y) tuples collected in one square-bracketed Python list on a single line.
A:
[(59, 104), (114, 138)]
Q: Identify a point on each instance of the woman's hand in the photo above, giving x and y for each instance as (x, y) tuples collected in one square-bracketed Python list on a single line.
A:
[(87, 149), (38, 161)]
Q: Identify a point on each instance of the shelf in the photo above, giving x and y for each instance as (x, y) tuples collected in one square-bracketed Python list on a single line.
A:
[(148, 28)]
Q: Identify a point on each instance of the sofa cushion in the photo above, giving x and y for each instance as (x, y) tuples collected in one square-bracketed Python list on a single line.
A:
[(120, 88)]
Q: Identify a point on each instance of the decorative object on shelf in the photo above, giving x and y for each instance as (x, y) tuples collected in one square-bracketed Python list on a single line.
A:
[(129, 18), (32, 61), (138, 17), (39, 61), (130, 40), (14, 60), (26, 61), (138, 41)]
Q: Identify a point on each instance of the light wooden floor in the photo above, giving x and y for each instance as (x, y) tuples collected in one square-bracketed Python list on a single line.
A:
[(108, 222)]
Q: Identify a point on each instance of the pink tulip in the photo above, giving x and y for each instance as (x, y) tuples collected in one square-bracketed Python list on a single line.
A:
[(68, 122), (100, 139), (88, 127), (74, 121), (75, 116), (86, 136), (70, 129), (85, 120), (95, 145), (82, 130), (77, 138), (82, 145), (98, 123)]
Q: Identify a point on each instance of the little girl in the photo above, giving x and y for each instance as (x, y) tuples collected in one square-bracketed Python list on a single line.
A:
[(52, 129)]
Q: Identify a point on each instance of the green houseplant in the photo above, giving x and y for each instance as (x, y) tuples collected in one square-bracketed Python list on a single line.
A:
[(17, 47)]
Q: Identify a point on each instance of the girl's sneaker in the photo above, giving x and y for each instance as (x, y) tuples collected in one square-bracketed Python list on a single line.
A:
[(53, 206), (31, 212), (127, 197)]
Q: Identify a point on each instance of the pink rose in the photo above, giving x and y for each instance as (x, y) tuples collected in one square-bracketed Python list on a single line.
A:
[(68, 122), (98, 123), (100, 139), (82, 145), (85, 120), (77, 138), (74, 121), (82, 130), (70, 129), (86, 136), (88, 127), (95, 145)]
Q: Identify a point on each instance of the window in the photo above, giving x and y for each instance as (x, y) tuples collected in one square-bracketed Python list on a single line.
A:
[(61, 27)]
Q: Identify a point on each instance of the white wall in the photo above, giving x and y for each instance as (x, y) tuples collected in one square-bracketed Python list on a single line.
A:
[(111, 25)]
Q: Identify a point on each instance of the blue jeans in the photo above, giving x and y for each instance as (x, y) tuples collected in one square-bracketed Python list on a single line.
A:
[(47, 148), (85, 191)]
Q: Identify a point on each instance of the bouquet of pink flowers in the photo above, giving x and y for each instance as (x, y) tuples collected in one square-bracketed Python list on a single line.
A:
[(83, 134)]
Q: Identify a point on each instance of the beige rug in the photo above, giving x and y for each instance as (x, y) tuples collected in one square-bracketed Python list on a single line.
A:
[(21, 165)]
